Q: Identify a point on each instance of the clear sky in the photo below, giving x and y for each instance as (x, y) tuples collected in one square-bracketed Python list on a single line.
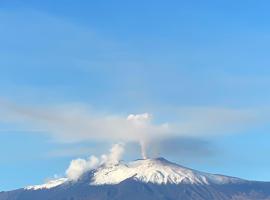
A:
[(125, 57)]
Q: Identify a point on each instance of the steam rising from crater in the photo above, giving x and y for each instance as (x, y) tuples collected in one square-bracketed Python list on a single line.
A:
[(141, 121), (143, 149), (79, 166)]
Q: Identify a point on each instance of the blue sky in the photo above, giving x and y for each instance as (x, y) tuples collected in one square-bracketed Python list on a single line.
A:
[(127, 57)]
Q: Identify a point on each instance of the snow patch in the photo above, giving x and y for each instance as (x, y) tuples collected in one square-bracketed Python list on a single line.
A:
[(48, 185), (157, 171)]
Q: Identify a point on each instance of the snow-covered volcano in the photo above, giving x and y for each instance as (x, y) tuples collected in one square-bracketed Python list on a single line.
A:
[(157, 171), (148, 179)]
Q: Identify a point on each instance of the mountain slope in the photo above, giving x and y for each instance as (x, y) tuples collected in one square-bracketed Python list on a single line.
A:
[(157, 171), (151, 179)]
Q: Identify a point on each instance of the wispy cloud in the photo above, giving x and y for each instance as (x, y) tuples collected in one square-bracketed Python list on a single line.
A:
[(186, 148), (77, 123), (203, 121)]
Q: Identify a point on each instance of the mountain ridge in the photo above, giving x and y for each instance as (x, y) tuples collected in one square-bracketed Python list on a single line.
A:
[(158, 171), (145, 179)]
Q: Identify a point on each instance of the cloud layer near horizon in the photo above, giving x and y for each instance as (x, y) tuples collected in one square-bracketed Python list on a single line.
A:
[(77, 123)]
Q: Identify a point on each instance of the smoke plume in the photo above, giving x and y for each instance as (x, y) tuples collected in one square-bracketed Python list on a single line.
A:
[(143, 149), (114, 156), (77, 123), (141, 121), (79, 166)]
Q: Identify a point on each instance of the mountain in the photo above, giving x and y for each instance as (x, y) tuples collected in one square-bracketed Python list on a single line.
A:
[(149, 179), (156, 171)]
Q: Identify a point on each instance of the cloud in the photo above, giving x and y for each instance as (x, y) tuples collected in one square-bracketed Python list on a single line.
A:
[(76, 123), (197, 121), (140, 119), (185, 148), (79, 123), (79, 166)]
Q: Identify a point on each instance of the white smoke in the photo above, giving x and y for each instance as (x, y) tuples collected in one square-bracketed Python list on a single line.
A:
[(79, 166), (115, 155), (143, 149), (141, 122)]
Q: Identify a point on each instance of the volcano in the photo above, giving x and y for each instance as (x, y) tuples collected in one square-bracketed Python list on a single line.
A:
[(147, 179)]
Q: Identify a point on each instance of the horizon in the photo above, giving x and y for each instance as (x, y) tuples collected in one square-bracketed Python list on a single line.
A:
[(187, 81)]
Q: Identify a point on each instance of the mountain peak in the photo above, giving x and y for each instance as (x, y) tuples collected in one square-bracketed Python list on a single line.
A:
[(157, 171), (153, 160), (164, 179), (159, 159), (153, 170)]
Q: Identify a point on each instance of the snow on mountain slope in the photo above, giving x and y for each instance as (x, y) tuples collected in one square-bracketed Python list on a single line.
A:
[(148, 179), (157, 171), (48, 185)]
